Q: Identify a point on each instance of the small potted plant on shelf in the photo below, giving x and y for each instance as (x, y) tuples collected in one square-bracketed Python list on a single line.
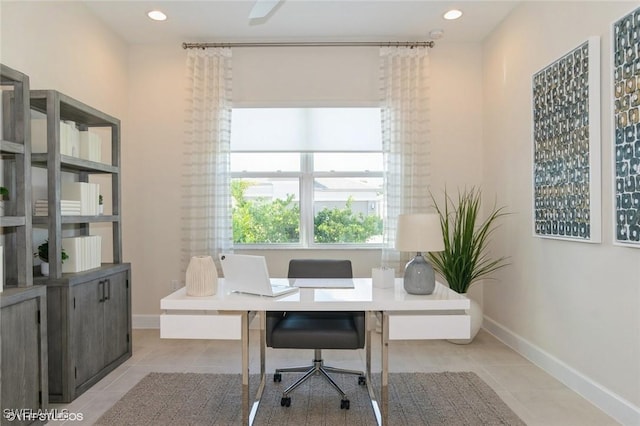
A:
[(4, 194), (464, 259), (43, 254), (100, 205)]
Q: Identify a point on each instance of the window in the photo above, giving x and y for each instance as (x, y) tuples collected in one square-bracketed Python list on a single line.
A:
[(307, 177)]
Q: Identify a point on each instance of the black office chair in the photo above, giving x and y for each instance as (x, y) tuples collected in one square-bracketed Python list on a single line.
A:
[(316, 330)]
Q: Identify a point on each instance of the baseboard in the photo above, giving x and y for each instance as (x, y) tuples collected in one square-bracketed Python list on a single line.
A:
[(145, 321), (615, 406)]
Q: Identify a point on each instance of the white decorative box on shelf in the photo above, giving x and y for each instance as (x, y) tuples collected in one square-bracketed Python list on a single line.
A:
[(87, 194), (83, 144), (85, 252), (69, 137), (67, 208), (90, 146)]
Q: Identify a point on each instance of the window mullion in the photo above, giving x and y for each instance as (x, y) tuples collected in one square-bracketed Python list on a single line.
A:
[(306, 199)]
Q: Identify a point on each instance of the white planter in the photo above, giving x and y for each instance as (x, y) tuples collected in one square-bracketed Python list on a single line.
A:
[(475, 312), (202, 277), (44, 269), (1, 268), (101, 209)]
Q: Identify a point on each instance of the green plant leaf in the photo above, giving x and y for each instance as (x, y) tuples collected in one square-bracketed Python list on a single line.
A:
[(464, 259), (43, 252)]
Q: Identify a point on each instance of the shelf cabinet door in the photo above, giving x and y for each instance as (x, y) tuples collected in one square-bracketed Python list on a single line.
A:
[(20, 358), (116, 317), (88, 330), (100, 326)]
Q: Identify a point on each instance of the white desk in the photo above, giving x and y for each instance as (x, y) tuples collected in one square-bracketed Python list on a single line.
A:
[(402, 316)]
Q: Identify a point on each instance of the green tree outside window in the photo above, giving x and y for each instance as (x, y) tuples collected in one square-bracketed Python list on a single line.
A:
[(263, 220)]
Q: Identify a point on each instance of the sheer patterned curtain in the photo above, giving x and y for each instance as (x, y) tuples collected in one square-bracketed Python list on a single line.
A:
[(206, 199), (404, 75)]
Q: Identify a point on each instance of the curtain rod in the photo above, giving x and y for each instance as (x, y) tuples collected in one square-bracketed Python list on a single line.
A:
[(313, 44)]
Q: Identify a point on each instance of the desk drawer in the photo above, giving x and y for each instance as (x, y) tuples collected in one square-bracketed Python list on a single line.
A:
[(405, 326), (188, 326)]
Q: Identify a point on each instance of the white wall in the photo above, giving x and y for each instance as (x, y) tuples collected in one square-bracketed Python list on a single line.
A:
[(76, 55), (303, 76), (578, 303), (73, 53), (272, 76)]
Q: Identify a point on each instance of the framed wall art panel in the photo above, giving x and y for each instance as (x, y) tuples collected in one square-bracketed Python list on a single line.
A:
[(626, 125), (566, 146)]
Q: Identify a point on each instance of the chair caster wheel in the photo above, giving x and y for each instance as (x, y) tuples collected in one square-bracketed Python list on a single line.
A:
[(344, 404), (286, 401), (362, 380), (277, 377)]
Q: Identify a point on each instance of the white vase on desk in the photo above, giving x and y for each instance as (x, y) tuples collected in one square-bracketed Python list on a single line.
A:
[(202, 277)]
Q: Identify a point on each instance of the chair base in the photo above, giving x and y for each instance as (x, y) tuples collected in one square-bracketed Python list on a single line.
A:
[(318, 367)]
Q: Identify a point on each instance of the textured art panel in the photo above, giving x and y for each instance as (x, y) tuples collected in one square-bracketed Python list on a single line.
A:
[(566, 146), (626, 94)]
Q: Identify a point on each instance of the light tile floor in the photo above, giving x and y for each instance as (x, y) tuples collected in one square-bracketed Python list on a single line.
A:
[(535, 396)]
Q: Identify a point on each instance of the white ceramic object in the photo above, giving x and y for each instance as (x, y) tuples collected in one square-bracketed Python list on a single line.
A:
[(475, 312), (202, 277), (383, 277), (44, 269)]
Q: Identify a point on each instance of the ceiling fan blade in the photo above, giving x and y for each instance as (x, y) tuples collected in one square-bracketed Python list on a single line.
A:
[(262, 8)]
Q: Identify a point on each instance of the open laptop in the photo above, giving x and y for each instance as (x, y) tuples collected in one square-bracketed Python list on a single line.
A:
[(248, 274)]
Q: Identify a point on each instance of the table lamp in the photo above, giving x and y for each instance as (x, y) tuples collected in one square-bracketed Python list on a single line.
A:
[(419, 233)]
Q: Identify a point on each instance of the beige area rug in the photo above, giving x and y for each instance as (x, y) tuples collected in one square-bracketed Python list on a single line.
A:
[(415, 399)]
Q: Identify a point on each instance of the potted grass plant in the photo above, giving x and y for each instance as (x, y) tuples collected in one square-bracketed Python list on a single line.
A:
[(43, 254), (4, 194), (466, 235)]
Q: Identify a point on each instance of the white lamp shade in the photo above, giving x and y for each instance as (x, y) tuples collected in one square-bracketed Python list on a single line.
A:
[(419, 232)]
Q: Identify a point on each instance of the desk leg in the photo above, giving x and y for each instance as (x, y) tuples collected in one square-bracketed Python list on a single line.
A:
[(263, 344), (245, 367), (249, 409), (263, 348), (384, 379), (376, 403), (369, 327)]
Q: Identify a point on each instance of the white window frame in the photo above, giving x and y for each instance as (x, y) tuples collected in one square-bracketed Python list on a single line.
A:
[(306, 177)]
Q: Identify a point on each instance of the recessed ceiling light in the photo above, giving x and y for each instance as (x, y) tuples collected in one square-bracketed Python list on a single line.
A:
[(156, 15), (452, 14)]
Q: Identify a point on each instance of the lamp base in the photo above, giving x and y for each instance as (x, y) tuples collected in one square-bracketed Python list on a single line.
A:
[(419, 276)]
